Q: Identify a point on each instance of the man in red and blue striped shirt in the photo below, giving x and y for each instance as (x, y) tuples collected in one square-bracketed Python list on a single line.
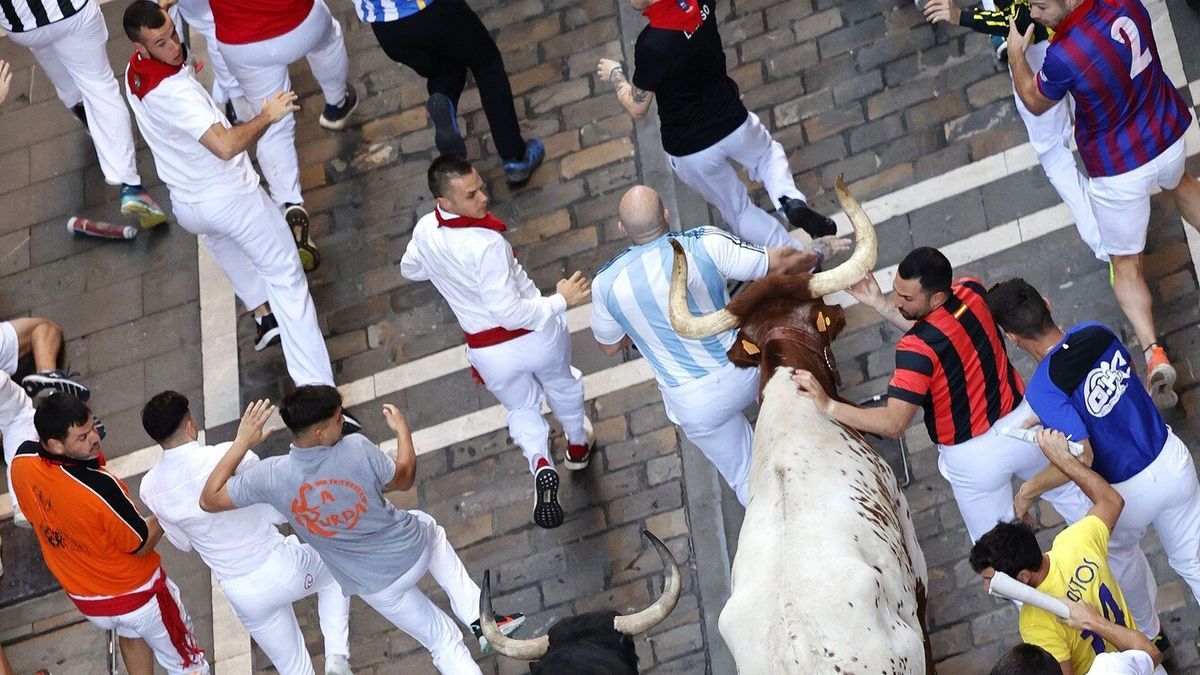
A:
[(952, 362), (1129, 125)]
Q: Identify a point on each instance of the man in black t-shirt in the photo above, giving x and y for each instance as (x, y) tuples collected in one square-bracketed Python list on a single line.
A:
[(679, 58)]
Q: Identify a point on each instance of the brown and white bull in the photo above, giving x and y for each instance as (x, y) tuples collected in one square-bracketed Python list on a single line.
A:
[(828, 576)]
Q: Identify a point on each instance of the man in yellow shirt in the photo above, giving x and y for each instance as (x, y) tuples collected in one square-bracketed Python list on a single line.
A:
[(1075, 567)]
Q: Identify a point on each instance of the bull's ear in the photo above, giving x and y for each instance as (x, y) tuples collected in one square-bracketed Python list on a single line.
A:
[(744, 353)]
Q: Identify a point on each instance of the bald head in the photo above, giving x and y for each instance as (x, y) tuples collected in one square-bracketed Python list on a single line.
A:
[(642, 214)]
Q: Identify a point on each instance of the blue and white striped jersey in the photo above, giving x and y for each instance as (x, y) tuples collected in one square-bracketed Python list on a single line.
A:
[(629, 297)]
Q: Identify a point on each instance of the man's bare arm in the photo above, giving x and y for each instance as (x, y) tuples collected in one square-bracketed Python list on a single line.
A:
[(635, 101), (229, 142)]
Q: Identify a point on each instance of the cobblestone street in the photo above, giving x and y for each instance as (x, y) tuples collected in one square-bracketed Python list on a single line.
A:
[(921, 122)]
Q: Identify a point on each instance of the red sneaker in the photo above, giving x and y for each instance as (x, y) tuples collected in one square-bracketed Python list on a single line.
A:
[(1160, 379), (578, 455)]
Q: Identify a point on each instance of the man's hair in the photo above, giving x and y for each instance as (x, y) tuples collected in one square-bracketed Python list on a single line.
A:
[(308, 405), (164, 414), (444, 169), (928, 266), (1027, 659), (142, 14), (1009, 548), (1019, 308), (57, 414)]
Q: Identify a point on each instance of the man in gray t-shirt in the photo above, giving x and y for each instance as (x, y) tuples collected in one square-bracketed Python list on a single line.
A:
[(331, 486)]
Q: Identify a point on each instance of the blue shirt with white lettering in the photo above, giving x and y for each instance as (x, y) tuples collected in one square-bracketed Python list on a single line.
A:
[(1086, 388)]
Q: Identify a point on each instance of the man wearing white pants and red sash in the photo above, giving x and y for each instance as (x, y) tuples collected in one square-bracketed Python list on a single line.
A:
[(258, 41), (260, 571), (97, 545), (517, 340), (216, 194)]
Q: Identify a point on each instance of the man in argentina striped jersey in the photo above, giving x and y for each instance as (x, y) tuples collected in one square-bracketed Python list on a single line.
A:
[(704, 394)]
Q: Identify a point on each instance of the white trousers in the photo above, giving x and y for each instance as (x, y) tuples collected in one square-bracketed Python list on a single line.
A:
[(146, 622), (74, 54), (16, 427), (262, 70), (709, 410), (411, 611), (980, 472), (710, 173), (525, 373), (198, 15), (1050, 135), (263, 601), (1167, 495), (252, 243)]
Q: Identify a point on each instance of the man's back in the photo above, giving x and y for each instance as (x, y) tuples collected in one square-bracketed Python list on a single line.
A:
[(1127, 111), (232, 543), (86, 524), (334, 496), (631, 291), (1078, 570)]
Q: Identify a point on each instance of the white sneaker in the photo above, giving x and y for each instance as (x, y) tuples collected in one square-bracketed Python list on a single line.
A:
[(336, 664)]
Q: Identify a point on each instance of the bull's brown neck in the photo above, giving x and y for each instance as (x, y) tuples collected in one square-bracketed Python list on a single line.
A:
[(795, 348)]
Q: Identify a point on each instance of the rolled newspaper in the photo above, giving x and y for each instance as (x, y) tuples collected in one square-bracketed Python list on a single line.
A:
[(1030, 436), (100, 229), (1009, 588)]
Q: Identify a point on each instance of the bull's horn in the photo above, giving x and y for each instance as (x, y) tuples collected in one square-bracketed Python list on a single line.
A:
[(634, 624), (526, 650), (685, 323), (865, 249)]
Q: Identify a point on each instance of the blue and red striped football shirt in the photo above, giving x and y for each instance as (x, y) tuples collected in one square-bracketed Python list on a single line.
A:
[(1127, 111), (953, 363)]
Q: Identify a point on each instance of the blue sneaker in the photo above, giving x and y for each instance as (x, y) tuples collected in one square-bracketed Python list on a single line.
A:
[(335, 117), (446, 134), (1000, 48), (135, 202), (518, 172)]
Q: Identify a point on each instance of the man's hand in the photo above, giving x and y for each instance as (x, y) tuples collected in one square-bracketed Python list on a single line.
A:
[(610, 71), (250, 432), (1083, 615), (1018, 42), (278, 106), (942, 10), (810, 388), (868, 292), (395, 419), (830, 246), (164, 5), (1054, 446), (1021, 506), (575, 290), (5, 79)]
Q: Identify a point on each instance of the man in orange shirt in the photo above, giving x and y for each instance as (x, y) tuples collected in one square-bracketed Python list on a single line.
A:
[(97, 545)]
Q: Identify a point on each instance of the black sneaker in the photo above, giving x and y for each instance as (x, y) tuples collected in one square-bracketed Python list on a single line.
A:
[(55, 379), (231, 113), (506, 623), (546, 511), (335, 117), (799, 215), (266, 331), (297, 220), (446, 134), (78, 111), (101, 430), (350, 424), (1162, 642)]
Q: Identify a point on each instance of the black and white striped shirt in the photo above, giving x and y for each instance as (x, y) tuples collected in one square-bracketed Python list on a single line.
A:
[(19, 16)]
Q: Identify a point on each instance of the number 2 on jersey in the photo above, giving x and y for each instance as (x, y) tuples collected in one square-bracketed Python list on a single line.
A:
[(1125, 31)]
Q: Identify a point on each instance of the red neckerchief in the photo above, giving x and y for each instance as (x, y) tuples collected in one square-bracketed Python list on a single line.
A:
[(682, 15), (1073, 19), (488, 222), (146, 74), (71, 462)]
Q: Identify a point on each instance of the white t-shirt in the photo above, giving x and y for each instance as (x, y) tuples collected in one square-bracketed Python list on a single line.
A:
[(475, 271), (172, 118), (1130, 662), (232, 543)]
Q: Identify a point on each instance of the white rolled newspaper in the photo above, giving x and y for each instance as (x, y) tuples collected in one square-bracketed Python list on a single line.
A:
[(1030, 436), (1009, 588)]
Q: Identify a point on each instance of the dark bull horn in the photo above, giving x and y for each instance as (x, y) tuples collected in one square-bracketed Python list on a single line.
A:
[(632, 624)]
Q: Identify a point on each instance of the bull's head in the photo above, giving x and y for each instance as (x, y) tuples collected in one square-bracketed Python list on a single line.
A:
[(783, 319), (629, 625)]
